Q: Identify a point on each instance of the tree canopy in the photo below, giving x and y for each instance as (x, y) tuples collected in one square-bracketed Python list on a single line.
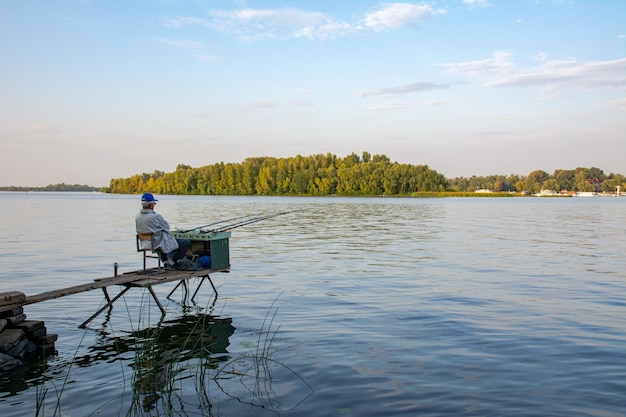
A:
[(300, 175), (353, 175)]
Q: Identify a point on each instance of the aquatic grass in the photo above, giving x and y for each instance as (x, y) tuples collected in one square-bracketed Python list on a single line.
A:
[(158, 376), (42, 389), (147, 365), (161, 378), (257, 367), (165, 369)]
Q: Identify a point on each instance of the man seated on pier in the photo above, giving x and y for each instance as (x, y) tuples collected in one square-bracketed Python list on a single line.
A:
[(148, 221)]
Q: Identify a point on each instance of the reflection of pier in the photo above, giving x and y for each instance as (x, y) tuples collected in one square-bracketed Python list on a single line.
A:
[(167, 355), (182, 364), (200, 338), (198, 335)]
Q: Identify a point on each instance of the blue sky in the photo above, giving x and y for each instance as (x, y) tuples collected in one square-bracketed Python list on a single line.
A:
[(94, 90)]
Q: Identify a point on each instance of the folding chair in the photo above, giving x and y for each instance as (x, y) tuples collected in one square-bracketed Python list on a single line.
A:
[(145, 245)]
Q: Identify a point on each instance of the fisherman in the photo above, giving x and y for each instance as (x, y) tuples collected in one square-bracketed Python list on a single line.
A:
[(148, 221)]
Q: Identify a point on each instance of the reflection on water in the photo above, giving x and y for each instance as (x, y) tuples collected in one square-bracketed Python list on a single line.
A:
[(167, 355), (180, 364), (22, 378), (191, 336), (159, 356)]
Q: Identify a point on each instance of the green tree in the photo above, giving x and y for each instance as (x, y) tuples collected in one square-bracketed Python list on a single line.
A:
[(551, 184), (535, 180), (326, 174)]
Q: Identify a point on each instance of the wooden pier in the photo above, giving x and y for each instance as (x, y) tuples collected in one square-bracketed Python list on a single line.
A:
[(136, 279), (21, 338)]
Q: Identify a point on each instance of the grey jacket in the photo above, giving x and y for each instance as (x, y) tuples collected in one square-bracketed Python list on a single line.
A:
[(147, 221)]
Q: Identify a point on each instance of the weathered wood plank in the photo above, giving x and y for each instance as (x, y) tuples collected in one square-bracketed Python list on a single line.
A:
[(11, 297)]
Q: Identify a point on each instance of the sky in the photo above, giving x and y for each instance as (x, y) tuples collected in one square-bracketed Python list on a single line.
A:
[(96, 90)]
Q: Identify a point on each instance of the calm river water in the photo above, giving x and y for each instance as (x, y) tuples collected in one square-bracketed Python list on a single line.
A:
[(357, 307)]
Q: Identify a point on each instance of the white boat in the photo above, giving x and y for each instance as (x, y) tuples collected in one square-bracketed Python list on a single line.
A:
[(547, 193)]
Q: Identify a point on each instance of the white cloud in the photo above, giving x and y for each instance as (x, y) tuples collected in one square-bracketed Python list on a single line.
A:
[(254, 25), (619, 103), (404, 89), (529, 116), (500, 63), (263, 104), (398, 16), (393, 105), (179, 22), (303, 103), (436, 102), (258, 24), (389, 106), (570, 73), (183, 44), (501, 71)]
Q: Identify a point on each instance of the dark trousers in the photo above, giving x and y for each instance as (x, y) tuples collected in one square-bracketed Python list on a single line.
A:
[(183, 246)]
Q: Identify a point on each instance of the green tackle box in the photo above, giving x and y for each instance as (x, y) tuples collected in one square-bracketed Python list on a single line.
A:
[(213, 244)]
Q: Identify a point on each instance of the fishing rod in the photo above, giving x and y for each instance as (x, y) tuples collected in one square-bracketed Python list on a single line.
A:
[(253, 220), (214, 223)]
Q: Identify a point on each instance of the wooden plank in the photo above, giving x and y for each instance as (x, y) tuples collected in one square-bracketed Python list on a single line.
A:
[(148, 282), (11, 297), (162, 277)]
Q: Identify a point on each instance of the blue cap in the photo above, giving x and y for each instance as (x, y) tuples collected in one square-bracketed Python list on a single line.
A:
[(148, 197)]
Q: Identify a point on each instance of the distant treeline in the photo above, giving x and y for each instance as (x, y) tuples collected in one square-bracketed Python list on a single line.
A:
[(299, 175), (53, 187), (352, 175), (579, 179)]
